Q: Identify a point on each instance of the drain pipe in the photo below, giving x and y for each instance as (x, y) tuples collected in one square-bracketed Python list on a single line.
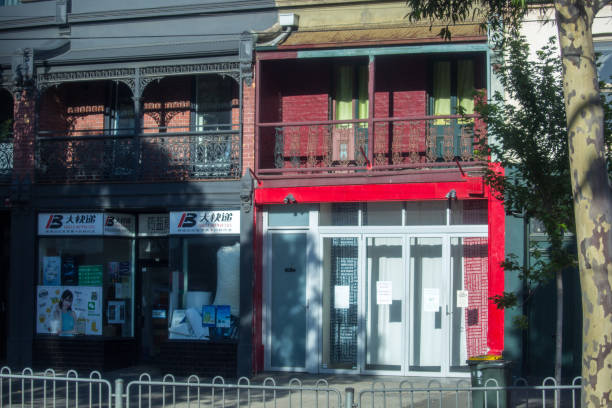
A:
[(288, 22), (282, 36)]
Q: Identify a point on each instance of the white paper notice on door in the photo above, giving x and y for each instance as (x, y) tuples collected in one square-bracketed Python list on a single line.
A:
[(341, 297), (431, 299), (384, 293), (462, 298)]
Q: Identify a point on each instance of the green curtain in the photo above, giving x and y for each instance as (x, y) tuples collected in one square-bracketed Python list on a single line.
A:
[(363, 102), (465, 87), (344, 93), (442, 91)]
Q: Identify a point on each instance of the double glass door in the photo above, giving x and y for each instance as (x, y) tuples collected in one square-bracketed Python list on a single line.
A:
[(386, 304)]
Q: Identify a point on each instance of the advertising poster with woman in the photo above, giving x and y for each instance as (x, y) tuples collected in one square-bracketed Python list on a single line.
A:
[(69, 310)]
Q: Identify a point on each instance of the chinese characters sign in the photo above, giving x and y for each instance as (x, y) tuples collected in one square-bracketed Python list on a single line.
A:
[(70, 224), (205, 222), (86, 224)]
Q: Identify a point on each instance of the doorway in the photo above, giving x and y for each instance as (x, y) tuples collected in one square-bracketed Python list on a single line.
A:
[(376, 303), (154, 276)]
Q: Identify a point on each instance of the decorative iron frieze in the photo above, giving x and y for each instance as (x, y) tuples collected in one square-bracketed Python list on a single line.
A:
[(138, 78), (75, 76), (203, 68)]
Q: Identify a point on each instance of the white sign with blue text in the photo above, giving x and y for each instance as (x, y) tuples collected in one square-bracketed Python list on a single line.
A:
[(205, 222)]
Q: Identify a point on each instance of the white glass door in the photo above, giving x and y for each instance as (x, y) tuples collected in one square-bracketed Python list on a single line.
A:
[(428, 306), (384, 304)]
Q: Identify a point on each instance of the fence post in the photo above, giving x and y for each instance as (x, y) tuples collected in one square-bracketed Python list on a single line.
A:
[(349, 393), (119, 393)]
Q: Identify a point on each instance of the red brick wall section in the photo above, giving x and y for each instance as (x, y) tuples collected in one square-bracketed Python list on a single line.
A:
[(401, 91), (167, 103), (76, 109), (24, 115), (248, 127), (475, 266)]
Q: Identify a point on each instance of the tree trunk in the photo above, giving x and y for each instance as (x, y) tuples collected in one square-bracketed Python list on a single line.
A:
[(592, 195)]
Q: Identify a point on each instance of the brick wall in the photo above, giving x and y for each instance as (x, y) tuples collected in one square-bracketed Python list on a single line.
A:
[(248, 127), (401, 91), (74, 108), (24, 114), (476, 282), (167, 103)]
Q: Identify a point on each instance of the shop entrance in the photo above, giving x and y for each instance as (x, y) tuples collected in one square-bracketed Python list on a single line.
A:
[(154, 295), (388, 304)]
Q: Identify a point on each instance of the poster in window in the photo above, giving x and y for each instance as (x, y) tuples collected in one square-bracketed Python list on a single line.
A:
[(69, 310), (223, 316), (69, 271), (209, 316), (52, 269), (384, 292), (116, 311), (90, 275)]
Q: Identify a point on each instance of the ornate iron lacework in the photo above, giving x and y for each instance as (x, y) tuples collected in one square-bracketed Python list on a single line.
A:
[(396, 143), (217, 67), (155, 157), (144, 76), (58, 77), (6, 160)]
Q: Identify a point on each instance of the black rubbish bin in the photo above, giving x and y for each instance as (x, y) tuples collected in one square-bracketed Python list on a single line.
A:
[(483, 372)]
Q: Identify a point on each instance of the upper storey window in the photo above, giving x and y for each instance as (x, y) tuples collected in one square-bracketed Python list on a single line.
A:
[(215, 97), (453, 87), (351, 92), (350, 102)]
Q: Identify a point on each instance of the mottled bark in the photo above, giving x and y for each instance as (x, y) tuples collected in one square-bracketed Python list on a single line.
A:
[(592, 195)]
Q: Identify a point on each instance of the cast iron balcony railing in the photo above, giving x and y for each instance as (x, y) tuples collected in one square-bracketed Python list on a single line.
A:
[(6, 159), (93, 156), (348, 146)]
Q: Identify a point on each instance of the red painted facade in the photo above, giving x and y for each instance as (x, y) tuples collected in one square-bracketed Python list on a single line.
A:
[(297, 96)]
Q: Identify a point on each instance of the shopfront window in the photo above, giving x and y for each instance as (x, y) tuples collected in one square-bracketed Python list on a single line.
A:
[(85, 286), (204, 299)]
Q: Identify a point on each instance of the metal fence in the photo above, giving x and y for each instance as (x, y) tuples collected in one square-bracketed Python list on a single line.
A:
[(49, 389), (27, 389), (463, 394)]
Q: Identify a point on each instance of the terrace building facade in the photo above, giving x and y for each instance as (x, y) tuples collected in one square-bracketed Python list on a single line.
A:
[(126, 197), (378, 244)]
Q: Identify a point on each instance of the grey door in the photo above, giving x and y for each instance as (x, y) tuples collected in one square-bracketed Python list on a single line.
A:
[(288, 303)]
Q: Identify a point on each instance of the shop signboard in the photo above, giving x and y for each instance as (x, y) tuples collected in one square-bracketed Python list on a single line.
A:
[(153, 225), (70, 224), (205, 222), (84, 316), (121, 225)]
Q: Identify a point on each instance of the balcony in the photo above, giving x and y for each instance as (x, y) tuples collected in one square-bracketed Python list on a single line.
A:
[(6, 160), (345, 147), (109, 156)]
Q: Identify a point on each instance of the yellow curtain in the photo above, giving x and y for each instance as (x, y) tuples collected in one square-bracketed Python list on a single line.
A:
[(442, 91), (465, 88), (363, 102), (344, 93)]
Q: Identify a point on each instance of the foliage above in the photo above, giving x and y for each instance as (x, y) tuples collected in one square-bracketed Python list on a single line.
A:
[(497, 13)]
